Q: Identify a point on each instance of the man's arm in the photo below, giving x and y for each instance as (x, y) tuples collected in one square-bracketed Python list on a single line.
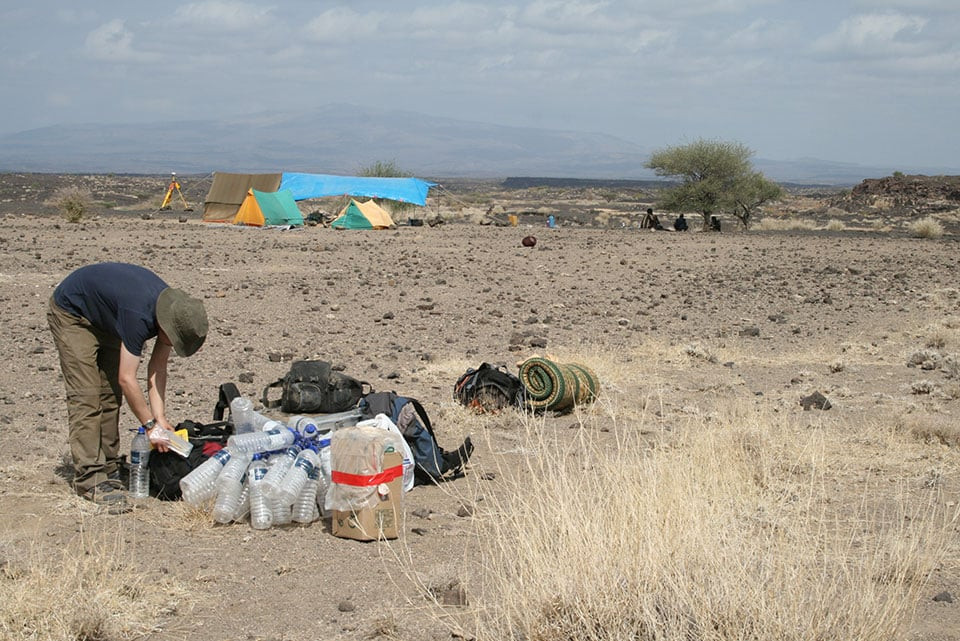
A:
[(130, 387), (157, 382), (156, 370)]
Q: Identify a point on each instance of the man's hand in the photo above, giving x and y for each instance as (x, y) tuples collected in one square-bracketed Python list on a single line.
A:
[(160, 438)]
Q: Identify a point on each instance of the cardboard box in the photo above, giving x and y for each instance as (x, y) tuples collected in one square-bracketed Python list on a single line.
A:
[(374, 523)]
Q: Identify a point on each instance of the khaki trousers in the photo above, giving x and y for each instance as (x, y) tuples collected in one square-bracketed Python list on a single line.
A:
[(90, 362)]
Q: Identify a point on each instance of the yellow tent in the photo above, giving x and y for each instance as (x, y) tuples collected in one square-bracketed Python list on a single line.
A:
[(368, 215)]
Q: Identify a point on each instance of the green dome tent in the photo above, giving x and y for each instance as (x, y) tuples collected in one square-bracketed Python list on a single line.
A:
[(368, 215), (261, 208)]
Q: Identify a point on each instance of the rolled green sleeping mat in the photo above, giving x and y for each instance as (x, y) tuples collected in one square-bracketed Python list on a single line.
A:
[(555, 386)]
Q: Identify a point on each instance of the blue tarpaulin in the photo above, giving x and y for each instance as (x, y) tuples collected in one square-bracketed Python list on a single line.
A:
[(408, 190)]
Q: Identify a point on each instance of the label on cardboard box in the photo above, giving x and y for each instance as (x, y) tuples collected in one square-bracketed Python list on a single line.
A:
[(374, 523)]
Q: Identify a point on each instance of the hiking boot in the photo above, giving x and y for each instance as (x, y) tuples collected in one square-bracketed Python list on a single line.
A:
[(106, 493), (454, 461)]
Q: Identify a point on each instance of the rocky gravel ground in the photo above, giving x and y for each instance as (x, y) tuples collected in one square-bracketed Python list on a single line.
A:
[(868, 319)]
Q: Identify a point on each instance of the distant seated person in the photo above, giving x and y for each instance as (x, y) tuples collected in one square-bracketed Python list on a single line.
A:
[(650, 221), (680, 224), (714, 223)]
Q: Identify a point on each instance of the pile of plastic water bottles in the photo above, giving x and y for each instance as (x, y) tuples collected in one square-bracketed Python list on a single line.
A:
[(273, 472)]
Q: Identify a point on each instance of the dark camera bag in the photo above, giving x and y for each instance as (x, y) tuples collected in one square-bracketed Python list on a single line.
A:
[(313, 387)]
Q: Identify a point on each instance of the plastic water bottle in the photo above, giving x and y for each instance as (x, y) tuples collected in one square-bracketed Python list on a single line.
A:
[(230, 487), (241, 412), (323, 481), (201, 484), (139, 465), (282, 514), (301, 423), (279, 466), (294, 480), (243, 509), (309, 432), (305, 505), (261, 518), (273, 436)]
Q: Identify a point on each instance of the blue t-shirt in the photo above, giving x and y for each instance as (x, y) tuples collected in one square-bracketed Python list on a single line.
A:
[(117, 298)]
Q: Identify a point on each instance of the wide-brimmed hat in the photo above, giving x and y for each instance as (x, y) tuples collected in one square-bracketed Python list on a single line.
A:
[(183, 319)]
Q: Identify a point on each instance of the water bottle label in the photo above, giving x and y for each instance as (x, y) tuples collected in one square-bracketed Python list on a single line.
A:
[(222, 456), (303, 464), (259, 473), (135, 457)]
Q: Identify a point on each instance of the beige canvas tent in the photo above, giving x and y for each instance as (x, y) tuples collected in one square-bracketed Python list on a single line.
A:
[(228, 192)]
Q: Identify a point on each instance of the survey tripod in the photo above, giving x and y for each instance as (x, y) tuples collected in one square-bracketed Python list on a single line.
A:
[(174, 187)]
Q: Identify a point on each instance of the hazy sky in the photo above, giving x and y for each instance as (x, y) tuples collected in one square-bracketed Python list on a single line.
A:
[(864, 81)]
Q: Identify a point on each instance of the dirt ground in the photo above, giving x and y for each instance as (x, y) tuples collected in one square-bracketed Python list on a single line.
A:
[(409, 309)]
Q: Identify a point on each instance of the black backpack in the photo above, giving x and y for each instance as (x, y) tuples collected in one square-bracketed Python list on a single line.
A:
[(313, 387), (167, 468), (488, 389)]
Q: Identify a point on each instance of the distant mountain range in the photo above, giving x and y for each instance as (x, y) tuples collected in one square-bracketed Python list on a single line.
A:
[(343, 139)]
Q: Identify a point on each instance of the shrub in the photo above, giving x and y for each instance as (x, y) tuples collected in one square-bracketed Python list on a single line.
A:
[(926, 228), (73, 202), (835, 225)]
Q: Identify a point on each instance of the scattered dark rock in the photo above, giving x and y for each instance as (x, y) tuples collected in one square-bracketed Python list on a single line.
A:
[(466, 510), (815, 401), (943, 597), (346, 606), (245, 377), (750, 331), (454, 595)]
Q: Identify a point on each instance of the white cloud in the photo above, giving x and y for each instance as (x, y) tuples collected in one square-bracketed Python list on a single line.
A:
[(344, 26), (877, 34), (909, 5), (113, 42), (761, 34), (59, 99), (221, 15), (553, 16), (456, 16)]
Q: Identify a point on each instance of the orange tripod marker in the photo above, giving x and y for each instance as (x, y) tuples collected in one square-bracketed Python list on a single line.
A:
[(174, 187)]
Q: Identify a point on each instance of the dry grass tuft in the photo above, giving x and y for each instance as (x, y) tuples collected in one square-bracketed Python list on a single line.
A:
[(931, 429), (926, 228), (728, 529), (788, 224), (835, 225), (698, 351), (86, 591)]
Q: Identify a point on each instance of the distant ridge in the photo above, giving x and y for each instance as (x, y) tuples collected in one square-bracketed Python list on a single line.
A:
[(342, 139)]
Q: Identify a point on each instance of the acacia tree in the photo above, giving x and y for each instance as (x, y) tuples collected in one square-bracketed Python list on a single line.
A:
[(716, 177), (752, 192)]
